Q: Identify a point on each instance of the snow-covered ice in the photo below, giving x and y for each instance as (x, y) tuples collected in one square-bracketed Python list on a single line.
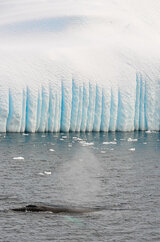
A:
[(80, 65)]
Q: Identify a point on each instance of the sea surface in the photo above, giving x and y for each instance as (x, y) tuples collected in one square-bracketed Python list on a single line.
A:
[(116, 171)]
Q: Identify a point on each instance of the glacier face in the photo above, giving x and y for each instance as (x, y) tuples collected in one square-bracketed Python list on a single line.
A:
[(79, 66)]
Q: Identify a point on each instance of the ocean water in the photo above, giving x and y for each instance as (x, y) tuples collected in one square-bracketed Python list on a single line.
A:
[(118, 171)]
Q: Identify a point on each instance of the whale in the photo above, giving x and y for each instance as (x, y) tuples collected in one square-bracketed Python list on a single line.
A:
[(54, 209)]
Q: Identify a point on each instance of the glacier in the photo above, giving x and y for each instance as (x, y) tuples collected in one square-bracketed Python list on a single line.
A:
[(79, 65)]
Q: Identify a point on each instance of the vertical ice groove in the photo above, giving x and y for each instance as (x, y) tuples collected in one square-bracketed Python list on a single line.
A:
[(66, 104), (119, 112), (91, 107), (98, 109), (126, 109), (145, 105), (152, 105), (39, 105), (4, 107), (85, 105), (58, 107), (157, 92), (44, 109), (23, 110), (10, 109), (31, 109), (15, 109), (62, 106), (141, 109), (51, 109), (113, 109), (79, 116), (27, 101), (106, 105), (137, 103), (75, 104)]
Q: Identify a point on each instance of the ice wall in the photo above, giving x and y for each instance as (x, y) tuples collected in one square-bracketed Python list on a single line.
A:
[(76, 105), (79, 65)]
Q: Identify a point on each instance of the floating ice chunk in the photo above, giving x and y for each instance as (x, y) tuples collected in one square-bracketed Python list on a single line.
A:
[(84, 143), (18, 158), (51, 150), (69, 145), (47, 172), (132, 149), (103, 151), (41, 174), (132, 140), (144, 143), (64, 137), (148, 132), (43, 136), (110, 143), (76, 138), (25, 134), (61, 139)]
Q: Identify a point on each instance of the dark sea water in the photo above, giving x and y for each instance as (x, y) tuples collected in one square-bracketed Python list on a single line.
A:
[(117, 171)]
